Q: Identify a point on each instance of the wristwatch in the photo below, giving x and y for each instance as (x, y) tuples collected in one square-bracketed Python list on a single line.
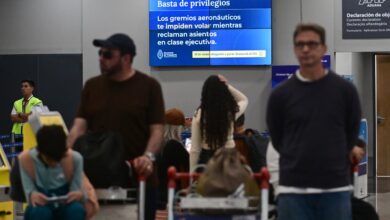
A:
[(150, 155)]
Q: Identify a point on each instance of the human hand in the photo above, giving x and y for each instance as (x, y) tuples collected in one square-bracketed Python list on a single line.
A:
[(38, 199), (74, 196), (143, 165), (356, 155), (23, 116), (223, 79)]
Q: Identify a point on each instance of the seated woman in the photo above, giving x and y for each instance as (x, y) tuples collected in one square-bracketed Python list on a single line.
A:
[(172, 152), (51, 170), (213, 122)]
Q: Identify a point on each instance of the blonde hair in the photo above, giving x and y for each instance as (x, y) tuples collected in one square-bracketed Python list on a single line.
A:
[(172, 132)]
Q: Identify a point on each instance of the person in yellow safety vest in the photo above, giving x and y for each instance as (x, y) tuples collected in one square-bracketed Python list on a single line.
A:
[(22, 107)]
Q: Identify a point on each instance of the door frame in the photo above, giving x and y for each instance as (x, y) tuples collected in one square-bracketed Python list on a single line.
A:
[(375, 69)]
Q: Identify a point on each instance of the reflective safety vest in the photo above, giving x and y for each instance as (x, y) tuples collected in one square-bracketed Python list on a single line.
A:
[(18, 105)]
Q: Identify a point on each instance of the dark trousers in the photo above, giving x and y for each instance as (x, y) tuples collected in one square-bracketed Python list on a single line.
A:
[(56, 211), (321, 206), (150, 203), (71, 211)]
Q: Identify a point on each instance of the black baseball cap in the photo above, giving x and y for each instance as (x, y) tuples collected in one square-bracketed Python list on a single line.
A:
[(117, 41)]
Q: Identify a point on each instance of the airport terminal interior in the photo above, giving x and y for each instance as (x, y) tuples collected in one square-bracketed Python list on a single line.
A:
[(181, 43)]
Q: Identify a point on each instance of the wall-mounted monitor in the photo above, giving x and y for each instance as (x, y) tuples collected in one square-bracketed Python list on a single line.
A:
[(210, 32)]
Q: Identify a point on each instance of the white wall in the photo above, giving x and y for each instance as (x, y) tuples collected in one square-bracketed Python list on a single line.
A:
[(101, 18), (321, 12), (40, 26), (285, 16), (366, 90), (57, 26), (360, 66)]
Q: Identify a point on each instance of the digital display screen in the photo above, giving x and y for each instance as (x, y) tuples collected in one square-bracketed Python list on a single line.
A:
[(210, 32)]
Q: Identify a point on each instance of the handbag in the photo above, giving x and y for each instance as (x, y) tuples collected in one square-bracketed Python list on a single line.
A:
[(16, 189), (223, 174), (104, 159)]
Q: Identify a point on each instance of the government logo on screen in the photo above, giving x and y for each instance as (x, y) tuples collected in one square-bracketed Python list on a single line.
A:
[(162, 54), (371, 3)]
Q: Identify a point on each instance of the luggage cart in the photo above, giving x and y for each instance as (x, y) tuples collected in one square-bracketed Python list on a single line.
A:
[(118, 194), (141, 200), (187, 208)]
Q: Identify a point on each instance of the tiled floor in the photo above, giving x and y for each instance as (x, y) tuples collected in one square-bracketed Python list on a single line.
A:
[(381, 202), (117, 212), (381, 199)]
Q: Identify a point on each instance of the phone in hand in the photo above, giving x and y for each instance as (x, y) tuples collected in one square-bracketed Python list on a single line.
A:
[(60, 199)]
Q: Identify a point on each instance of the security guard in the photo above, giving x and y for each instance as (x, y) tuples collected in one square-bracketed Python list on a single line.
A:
[(22, 107)]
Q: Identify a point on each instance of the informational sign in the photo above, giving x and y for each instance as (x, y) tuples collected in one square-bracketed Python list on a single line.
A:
[(210, 32), (364, 19), (281, 73)]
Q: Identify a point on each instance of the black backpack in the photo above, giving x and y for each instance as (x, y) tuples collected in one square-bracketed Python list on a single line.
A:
[(16, 190), (104, 159), (257, 149), (362, 210)]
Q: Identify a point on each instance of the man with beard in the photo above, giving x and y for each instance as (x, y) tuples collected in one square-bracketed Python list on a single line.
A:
[(125, 101)]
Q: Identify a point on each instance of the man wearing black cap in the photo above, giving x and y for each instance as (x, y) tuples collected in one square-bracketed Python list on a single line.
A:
[(126, 101)]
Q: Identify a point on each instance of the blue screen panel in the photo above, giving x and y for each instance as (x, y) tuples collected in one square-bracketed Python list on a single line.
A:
[(210, 32), (245, 47)]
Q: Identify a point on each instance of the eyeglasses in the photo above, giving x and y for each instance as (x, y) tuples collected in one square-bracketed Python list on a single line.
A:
[(310, 44), (106, 54)]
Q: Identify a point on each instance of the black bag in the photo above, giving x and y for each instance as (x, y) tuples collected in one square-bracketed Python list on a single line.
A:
[(362, 210), (16, 190), (257, 149), (104, 159)]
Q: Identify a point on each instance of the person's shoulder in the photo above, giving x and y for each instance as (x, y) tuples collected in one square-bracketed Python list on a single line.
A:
[(338, 80), (32, 153), (18, 100), (94, 80), (146, 77), (35, 100), (285, 87), (336, 77), (286, 84), (77, 156)]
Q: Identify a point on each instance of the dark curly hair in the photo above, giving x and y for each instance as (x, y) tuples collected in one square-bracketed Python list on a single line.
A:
[(218, 109)]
